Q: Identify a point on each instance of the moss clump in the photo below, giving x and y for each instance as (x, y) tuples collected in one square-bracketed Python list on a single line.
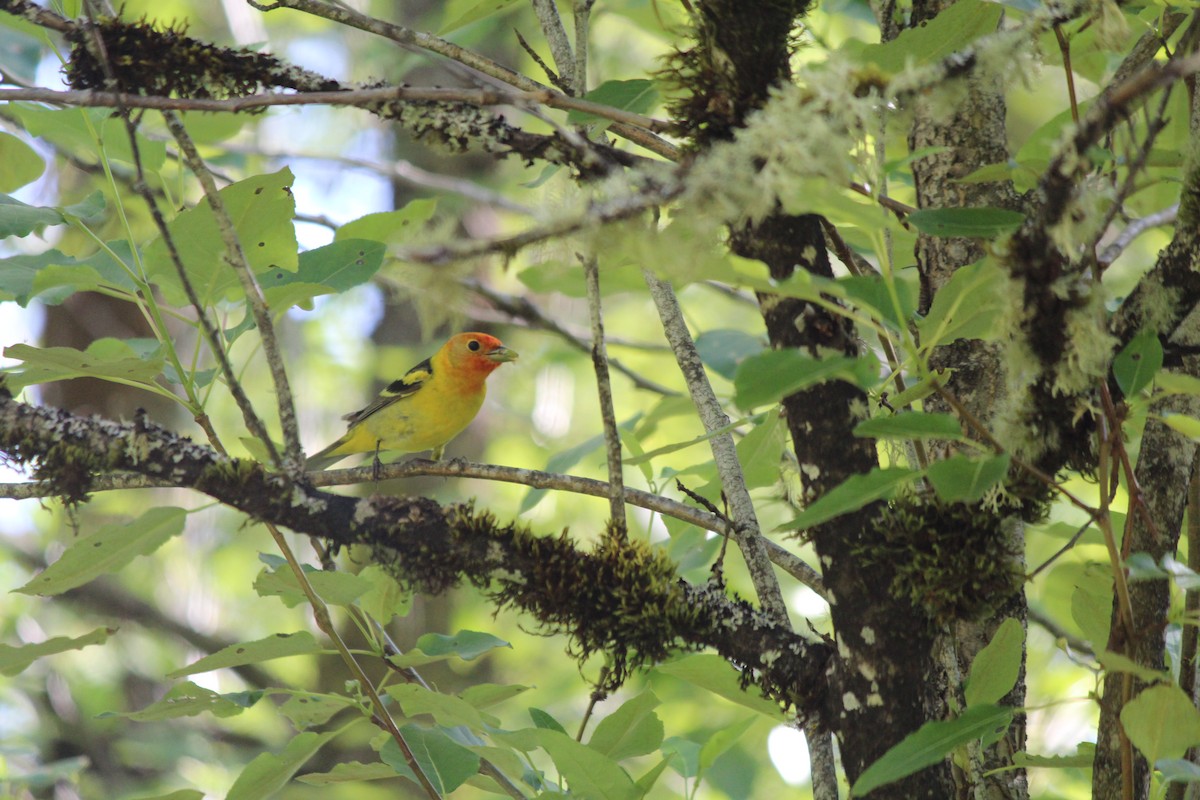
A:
[(621, 599), (716, 92), (145, 60), (954, 560)]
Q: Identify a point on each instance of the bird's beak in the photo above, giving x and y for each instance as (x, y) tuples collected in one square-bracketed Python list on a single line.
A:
[(502, 354)]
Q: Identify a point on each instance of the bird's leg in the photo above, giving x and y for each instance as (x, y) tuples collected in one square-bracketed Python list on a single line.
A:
[(436, 453), (376, 464)]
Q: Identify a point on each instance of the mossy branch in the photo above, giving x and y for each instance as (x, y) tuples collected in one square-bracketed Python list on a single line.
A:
[(621, 599)]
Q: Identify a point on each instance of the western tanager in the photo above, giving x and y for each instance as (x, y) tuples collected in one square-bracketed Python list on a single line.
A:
[(429, 406)]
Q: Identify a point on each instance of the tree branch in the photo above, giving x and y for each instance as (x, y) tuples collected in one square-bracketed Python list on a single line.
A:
[(621, 598), (733, 485)]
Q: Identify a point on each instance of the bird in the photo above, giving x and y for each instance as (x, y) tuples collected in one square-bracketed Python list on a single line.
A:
[(425, 409)]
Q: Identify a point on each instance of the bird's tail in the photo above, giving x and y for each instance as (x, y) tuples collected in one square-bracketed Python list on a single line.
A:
[(325, 458)]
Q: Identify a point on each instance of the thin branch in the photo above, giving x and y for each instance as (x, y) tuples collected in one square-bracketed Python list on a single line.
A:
[(612, 436), (556, 36), (235, 256), (596, 214), (733, 484), (380, 714), (407, 36), (1135, 229), (402, 173), (359, 98), (582, 13)]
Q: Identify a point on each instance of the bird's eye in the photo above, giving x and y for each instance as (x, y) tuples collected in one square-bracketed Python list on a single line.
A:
[(473, 344)]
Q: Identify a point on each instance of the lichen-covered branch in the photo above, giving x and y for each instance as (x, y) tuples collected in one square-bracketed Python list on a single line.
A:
[(620, 598)]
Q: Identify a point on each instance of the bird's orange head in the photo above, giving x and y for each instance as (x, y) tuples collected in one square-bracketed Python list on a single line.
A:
[(475, 354)]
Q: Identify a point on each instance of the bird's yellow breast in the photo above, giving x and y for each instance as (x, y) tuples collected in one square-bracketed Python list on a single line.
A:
[(427, 419)]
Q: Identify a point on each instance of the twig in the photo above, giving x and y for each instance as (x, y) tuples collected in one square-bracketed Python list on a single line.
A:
[(745, 531), (403, 173), (582, 14), (363, 98), (381, 716), (612, 436), (537, 59), (599, 213), (1135, 229), (556, 37), (236, 259)]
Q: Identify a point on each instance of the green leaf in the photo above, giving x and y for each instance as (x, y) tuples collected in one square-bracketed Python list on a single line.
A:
[(14, 660), (723, 349), (932, 742), (445, 762), (475, 13), (1177, 383), (447, 710), (966, 479), (1183, 424), (22, 219), (180, 794), (107, 550), (187, 700), (632, 730), (1178, 770), (723, 739), (588, 773), (1161, 722), (485, 695), (647, 781), (386, 598), (330, 269), (543, 719), (967, 307), (349, 772), (1138, 362), (996, 667), (1091, 606), (911, 425), (951, 30), (20, 164), (335, 588), (1116, 662), (390, 227), (108, 359), (759, 452), (774, 374), (53, 276), (870, 292), (310, 709), (977, 223), (270, 772), (852, 494), (683, 755), (1083, 757), (636, 96), (281, 645), (261, 208), (89, 208), (75, 130), (710, 671), (431, 647)]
